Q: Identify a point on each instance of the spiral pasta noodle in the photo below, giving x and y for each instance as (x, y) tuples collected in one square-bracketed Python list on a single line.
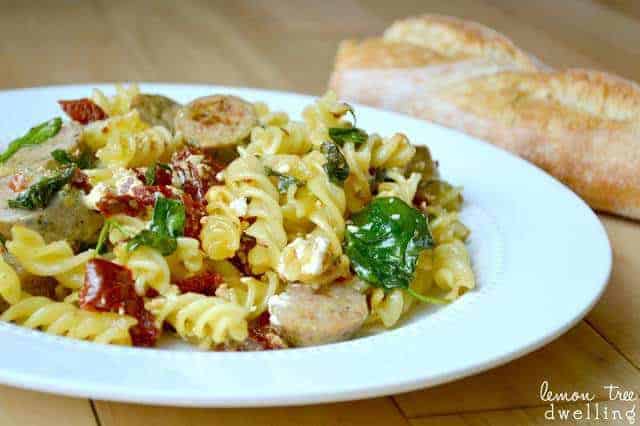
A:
[(452, 269), (119, 103), (55, 259), (207, 320), (187, 260), (149, 268), (139, 149), (99, 134), (221, 232), (252, 293), (266, 117), (246, 178), (64, 319), (378, 153), (289, 138), (399, 186), (325, 113), (10, 288)]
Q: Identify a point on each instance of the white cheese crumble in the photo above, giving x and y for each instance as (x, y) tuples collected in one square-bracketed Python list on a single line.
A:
[(395, 216), (240, 206), (220, 176), (274, 302), (97, 192), (125, 181), (313, 266), (284, 168)]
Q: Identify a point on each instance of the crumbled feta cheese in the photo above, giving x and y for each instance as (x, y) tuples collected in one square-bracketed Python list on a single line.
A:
[(97, 192), (220, 176), (395, 216), (125, 181), (283, 168), (298, 245), (240, 206), (313, 266), (274, 302)]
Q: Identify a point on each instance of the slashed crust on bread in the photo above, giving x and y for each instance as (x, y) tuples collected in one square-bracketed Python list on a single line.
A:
[(581, 126), (459, 39)]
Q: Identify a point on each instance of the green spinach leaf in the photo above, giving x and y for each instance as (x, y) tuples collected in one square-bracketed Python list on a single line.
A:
[(167, 224), (284, 181), (101, 246), (384, 242), (84, 160), (39, 195), (349, 134), (336, 166), (35, 136)]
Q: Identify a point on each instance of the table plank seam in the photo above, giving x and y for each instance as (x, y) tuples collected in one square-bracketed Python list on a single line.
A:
[(96, 416), (612, 344), (399, 408)]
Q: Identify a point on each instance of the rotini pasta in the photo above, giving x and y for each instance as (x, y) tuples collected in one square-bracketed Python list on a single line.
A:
[(246, 179), (251, 293), (64, 319), (10, 288), (119, 103), (149, 268), (187, 260), (55, 259), (207, 320), (220, 234), (237, 226)]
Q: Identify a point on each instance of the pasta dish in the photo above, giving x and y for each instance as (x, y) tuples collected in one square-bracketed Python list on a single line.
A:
[(223, 222)]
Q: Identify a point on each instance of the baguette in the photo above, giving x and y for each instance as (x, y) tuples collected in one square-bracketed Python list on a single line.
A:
[(581, 126)]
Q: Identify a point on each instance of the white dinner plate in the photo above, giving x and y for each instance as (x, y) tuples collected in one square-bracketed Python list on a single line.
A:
[(541, 257)]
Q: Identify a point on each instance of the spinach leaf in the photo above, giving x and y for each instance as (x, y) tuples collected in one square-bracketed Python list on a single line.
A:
[(167, 224), (36, 135), (150, 174), (101, 246), (39, 195), (384, 242), (336, 166), (84, 160), (349, 134), (284, 181)]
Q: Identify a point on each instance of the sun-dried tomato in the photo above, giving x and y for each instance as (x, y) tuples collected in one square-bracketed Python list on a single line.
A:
[(205, 283), (83, 110), (163, 176), (241, 258), (195, 211), (195, 180), (262, 334), (18, 182), (81, 181), (126, 204), (109, 287), (133, 205)]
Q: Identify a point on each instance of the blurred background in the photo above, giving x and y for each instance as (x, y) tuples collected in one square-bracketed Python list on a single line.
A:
[(278, 44)]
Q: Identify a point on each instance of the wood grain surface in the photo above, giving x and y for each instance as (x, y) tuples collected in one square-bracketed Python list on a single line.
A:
[(289, 45)]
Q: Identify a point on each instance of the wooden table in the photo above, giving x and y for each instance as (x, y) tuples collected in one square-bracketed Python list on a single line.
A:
[(284, 44)]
